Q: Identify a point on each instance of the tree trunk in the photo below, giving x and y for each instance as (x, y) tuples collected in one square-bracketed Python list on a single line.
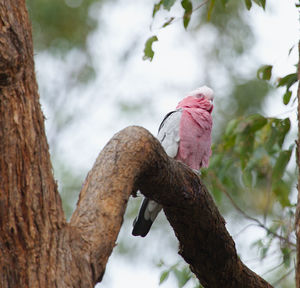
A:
[(30, 207), (37, 247), (297, 218)]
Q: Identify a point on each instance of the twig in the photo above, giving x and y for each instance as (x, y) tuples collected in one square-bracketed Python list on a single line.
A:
[(284, 276), (259, 223), (243, 229), (272, 269), (175, 19), (259, 259), (200, 5)]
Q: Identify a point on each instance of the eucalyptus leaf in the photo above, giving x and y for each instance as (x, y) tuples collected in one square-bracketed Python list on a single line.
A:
[(230, 128), (287, 97), (188, 9), (167, 23), (248, 4), (156, 8), (245, 142), (264, 72), (210, 9), (286, 255), (256, 122), (168, 4), (148, 51), (164, 276), (283, 126), (282, 191), (281, 163), (288, 80), (182, 276)]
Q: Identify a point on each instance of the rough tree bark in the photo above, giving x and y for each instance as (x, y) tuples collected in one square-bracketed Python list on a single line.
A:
[(37, 247), (297, 216)]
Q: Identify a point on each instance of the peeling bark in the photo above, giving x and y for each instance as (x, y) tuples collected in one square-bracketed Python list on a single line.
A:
[(37, 247)]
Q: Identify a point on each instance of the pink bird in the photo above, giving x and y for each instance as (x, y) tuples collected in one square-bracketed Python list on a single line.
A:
[(185, 135)]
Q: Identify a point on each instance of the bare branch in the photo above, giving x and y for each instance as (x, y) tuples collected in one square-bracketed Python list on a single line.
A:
[(133, 159)]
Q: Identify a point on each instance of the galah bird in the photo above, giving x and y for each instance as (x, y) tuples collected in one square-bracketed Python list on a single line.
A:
[(185, 134)]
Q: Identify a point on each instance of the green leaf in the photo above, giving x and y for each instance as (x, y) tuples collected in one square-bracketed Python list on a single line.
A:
[(272, 137), (286, 255), (182, 276), (164, 276), (248, 4), (232, 124), (264, 72), (282, 191), (288, 80), (256, 122), (188, 9), (168, 4), (281, 163), (283, 127), (263, 3), (210, 9), (290, 50), (148, 51), (287, 97), (156, 8), (167, 23), (245, 144)]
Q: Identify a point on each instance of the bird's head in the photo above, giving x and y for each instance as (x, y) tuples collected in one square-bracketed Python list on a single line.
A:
[(204, 93)]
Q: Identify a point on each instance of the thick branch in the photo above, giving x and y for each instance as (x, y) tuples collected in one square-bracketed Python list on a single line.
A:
[(134, 159)]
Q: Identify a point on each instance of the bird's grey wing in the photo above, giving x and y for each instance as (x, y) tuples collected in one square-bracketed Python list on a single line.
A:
[(168, 133)]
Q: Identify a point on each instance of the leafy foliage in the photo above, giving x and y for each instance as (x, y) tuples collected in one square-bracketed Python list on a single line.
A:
[(250, 161), (60, 24), (287, 81), (181, 272), (187, 5), (265, 73), (254, 144)]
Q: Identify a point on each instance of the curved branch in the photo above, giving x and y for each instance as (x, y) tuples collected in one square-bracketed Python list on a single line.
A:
[(133, 159)]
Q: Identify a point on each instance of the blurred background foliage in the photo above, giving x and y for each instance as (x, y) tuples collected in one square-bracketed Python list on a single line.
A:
[(60, 25), (250, 172)]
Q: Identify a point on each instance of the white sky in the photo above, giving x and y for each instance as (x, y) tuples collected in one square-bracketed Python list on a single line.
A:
[(165, 80)]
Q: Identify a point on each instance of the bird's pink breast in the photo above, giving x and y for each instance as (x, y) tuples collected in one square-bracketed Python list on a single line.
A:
[(195, 137)]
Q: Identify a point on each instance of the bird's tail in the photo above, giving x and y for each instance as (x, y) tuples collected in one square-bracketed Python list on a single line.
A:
[(147, 214)]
